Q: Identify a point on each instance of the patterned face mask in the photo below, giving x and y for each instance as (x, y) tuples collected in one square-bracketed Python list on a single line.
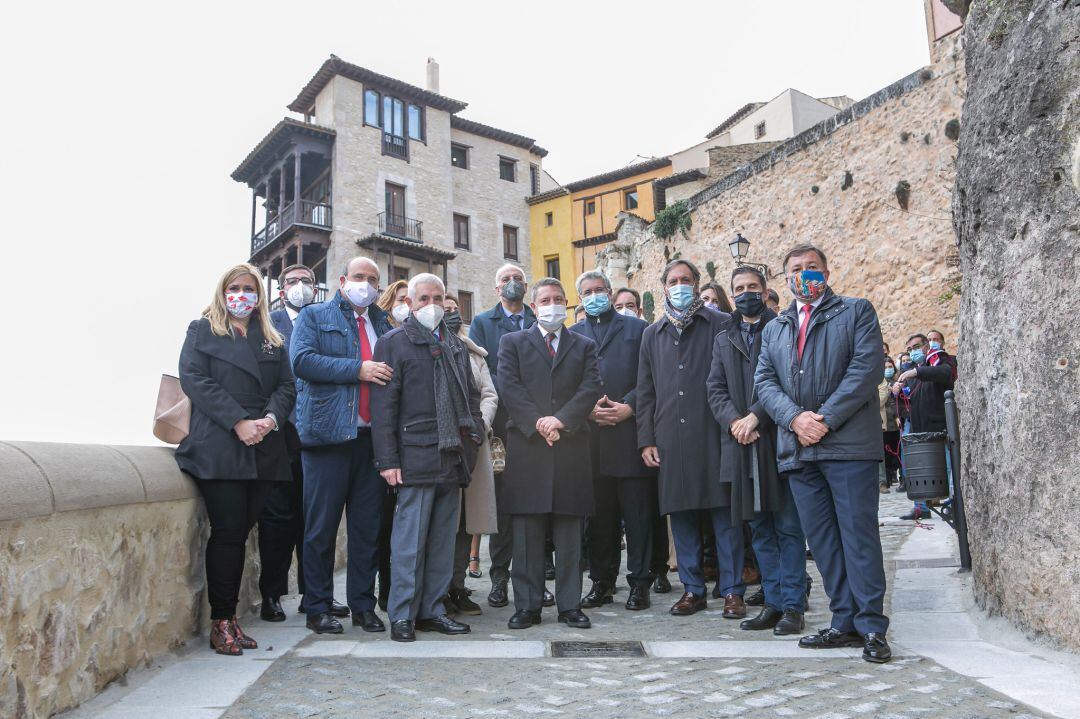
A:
[(241, 304), (807, 285)]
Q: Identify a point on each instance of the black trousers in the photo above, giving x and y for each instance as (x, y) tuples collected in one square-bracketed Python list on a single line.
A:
[(281, 530), (386, 529), (633, 501), (233, 506)]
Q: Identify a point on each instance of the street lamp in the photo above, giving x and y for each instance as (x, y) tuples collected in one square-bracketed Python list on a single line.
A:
[(740, 248)]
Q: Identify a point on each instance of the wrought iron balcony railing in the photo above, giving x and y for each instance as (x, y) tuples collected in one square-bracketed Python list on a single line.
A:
[(405, 228)]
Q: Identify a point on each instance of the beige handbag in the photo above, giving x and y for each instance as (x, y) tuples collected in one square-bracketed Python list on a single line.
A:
[(498, 455), (172, 416)]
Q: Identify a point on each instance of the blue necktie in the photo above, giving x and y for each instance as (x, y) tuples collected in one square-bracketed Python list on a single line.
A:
[(517, 321)]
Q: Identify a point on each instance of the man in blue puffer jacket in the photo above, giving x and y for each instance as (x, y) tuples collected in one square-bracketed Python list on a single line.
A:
[(817, 377), (332, 348)]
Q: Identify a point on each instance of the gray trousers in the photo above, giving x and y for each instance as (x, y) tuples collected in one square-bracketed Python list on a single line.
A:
[(422, 548), (529, 532)]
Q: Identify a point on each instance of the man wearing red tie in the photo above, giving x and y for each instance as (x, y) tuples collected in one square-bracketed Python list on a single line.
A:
[(332, 348), (817, 378)]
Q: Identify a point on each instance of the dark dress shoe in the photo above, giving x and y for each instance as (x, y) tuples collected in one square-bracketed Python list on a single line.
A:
[(324, 624), (402, 631), (459, 598), (831, 639), (337, 609), (384, 598), (876, 649), (443, 625), (716, 591), (915, 514), (368, 621), (523, 619), (688, 604), (575, 618), (639, 598), (734, 607), (661, 585), (757, 599), (497, 596), (792, 623), (766, 619), (549, 598), (549, 569), (600, 594), (271, 610)]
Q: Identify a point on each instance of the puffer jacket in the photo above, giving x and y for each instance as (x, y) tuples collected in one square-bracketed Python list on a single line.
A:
[(325, 352), (837, 378)]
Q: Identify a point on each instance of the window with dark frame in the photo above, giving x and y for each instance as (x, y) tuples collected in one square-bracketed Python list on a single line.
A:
[(371, 108), (549, 219), (459, 156), (630, 199), (534, 178), (416, 123), (510, 242), (465, 306), (759, 130), (461, 231), (590, 207), (551, 267), (508, 169)]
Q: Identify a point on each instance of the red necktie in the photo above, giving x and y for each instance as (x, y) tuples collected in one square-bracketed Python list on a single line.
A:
[(803, 326), (365, 355), (551, 343)]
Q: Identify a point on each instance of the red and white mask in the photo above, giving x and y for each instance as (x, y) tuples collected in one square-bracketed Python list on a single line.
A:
[(241, 304)]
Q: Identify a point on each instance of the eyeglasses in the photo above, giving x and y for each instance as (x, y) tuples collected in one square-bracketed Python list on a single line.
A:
[(290, 281), (597, 291)]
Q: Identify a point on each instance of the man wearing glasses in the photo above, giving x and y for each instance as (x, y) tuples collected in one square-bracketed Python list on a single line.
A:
[(281, 526)]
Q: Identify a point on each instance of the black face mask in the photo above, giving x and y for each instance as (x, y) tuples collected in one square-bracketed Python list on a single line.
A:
[(452, 320), (749, 304)]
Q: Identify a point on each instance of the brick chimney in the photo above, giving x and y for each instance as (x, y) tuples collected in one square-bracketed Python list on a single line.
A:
[(432, 75)]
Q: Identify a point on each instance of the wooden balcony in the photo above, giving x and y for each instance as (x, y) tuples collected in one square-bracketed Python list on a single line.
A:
[(395, 146), (315, 215), (401, 227)]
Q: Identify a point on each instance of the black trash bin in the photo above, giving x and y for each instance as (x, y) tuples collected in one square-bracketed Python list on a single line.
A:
[(924, 465)]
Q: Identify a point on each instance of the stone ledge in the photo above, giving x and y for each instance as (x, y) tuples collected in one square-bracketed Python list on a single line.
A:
[(41, 478)]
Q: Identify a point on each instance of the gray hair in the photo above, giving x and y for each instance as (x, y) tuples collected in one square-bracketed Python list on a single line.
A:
[(348, 263), (592, 275), (546, 282), (425, 278), (512, 266)]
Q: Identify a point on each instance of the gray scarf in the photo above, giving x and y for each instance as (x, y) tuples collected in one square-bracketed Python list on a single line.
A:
[(451, 395), (683, 318)]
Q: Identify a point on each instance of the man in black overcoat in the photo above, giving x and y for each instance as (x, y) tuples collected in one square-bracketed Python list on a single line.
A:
[(549, 382), (624, 488), (759, 494), (678, 434)]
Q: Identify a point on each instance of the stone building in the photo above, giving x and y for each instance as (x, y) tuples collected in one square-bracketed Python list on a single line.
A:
[(382, 167), (871, 185)]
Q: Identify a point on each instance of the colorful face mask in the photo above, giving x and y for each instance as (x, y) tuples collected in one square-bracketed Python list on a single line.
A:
[(807, 285), (241, 304)]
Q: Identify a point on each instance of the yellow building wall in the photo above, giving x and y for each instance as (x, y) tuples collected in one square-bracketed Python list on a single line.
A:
[(609, 199), (553, 241)]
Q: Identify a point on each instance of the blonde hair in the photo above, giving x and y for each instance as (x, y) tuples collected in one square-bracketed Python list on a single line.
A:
[(386, 299), (221, 322)]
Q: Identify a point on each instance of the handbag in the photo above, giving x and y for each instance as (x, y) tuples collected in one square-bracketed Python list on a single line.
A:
[(172, 415), (498, 455)]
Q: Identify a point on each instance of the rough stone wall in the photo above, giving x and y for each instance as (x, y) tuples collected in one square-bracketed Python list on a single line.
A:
[(835, 185), (723, 160), (1017, 215)]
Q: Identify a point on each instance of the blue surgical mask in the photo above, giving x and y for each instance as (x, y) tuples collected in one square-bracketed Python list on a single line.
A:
[(680, 296), (935, 345), (596, 304), (889, 372), (917, 356)]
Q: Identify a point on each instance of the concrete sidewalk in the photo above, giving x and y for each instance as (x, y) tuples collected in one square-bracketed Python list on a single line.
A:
[(950, 661)]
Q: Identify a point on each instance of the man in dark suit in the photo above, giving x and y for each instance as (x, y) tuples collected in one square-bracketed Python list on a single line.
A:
[(281, 526), (332, 357), (549, 383), (623, 487), (511, 314), (426, 441), (678, 434)]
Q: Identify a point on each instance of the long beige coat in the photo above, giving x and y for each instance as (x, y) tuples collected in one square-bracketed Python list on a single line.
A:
[(480, 512)]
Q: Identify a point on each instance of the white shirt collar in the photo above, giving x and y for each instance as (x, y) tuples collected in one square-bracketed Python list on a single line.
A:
[(545, 332), (293, 314), (813, 304)]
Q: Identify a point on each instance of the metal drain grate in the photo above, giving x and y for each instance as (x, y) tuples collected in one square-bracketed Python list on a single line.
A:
[(597, 649)]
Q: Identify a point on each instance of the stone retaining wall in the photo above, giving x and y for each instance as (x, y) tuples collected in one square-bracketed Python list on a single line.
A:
[(101, 569)]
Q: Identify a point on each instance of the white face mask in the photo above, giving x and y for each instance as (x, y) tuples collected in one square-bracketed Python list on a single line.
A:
[(628, 312), (551, 317), (241, 304), (430, 316), (400, 312), (299, 295), (360, 294)]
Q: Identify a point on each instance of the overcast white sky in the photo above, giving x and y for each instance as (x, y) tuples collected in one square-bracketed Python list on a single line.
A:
[(123, 121)]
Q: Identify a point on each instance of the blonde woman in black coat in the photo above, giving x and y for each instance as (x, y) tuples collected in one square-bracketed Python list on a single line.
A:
[(235, 369)]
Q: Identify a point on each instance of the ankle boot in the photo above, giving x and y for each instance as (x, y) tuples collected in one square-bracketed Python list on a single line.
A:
[(222, 638)]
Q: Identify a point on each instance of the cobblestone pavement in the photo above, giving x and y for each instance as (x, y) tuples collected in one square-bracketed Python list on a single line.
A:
[(311, 682)]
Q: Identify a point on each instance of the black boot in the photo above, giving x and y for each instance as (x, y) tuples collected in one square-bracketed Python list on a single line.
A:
[(639, 597), (600, 594), (766, 619)]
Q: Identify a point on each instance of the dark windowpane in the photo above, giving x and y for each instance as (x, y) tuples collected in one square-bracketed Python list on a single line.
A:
[(552, 267), (459, 156), (465, 306), (510, 242), (506, 169), (371, 108), (759, 130), (631, 199), (534, 179), (461, 232), (549, 219), (590, 207)]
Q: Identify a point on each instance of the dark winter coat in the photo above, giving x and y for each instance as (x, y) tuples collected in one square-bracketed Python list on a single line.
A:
[(927, 398)]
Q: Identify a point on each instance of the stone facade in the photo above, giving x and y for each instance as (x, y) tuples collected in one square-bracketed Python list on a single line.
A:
[(101, 569), (1016, 210), (836, 185)]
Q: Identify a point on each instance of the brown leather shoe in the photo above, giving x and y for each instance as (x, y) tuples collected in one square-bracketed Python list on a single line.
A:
[(688, 604), (734, 607)]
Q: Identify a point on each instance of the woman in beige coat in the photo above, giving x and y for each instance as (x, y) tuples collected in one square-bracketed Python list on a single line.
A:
[(479, 514)]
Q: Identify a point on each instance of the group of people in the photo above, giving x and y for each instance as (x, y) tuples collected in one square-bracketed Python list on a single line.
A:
[(714, 418)]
